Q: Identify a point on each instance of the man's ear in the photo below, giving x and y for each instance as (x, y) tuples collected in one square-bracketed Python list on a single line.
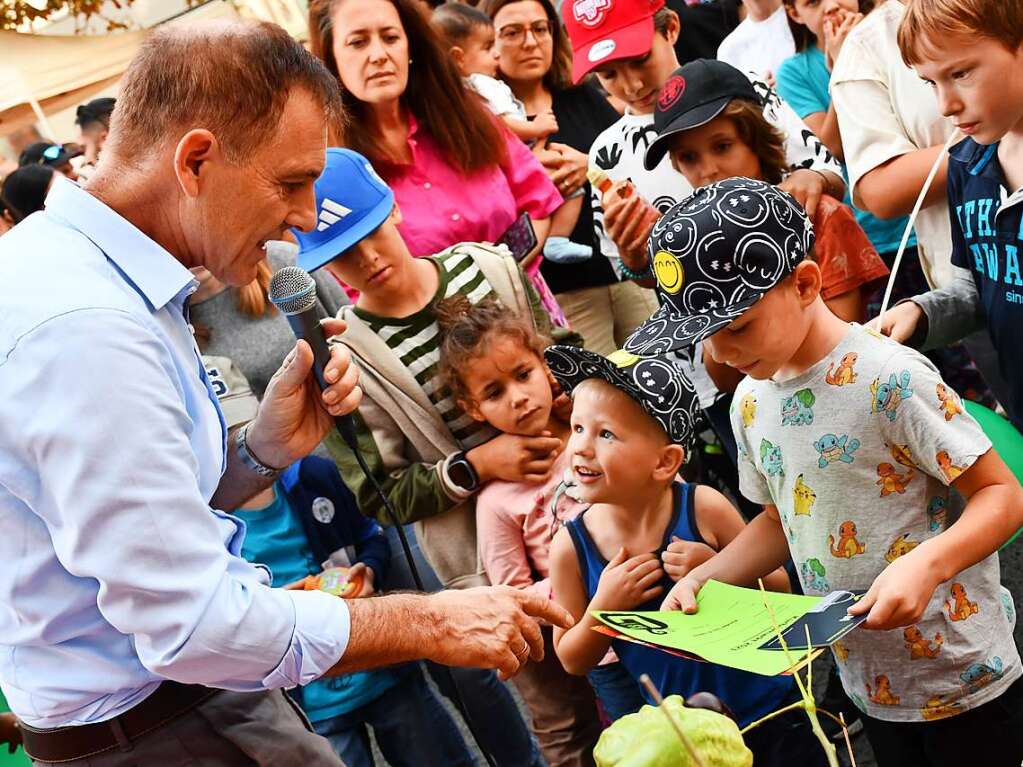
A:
[(395, 216), (669, 461), (808, 281), (195, 149)]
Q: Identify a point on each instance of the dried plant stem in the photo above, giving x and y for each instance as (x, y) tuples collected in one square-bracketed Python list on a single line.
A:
[(808, 704), (645, 681)]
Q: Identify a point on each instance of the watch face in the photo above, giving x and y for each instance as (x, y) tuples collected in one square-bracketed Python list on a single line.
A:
[(461, 474)]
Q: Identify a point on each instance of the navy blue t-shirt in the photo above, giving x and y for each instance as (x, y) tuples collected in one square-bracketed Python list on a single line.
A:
[(987, 234)]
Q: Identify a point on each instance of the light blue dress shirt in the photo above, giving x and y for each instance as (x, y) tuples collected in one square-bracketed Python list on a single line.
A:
[(116, 572)]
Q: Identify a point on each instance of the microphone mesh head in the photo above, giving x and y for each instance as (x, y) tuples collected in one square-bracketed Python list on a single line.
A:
[(292, 290)]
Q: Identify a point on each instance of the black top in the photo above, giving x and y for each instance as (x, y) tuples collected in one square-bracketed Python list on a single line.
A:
[(582, 113), (703, 27)]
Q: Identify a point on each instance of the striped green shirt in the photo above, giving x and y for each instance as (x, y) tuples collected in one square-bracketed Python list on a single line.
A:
[(415, 340)]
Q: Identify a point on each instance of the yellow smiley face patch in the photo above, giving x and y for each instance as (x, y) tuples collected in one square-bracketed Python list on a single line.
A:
[(669, 272)]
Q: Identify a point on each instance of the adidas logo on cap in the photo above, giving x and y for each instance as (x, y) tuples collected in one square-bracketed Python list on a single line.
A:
[(330, 213)]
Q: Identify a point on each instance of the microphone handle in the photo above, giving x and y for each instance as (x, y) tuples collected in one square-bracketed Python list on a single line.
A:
[(306, 325)]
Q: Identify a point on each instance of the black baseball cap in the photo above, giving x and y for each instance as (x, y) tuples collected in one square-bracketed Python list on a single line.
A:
[(45, 153), (693, 96), (656, 383), (717, 253)]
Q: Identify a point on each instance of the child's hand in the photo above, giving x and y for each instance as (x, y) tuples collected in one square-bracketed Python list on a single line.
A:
[(626, 583), (806, 186), (900, 594), (682, 556), (367, 582), (900, 322), (516, 459), (683, 596), (835, 31), (626, 225), (545, 124)]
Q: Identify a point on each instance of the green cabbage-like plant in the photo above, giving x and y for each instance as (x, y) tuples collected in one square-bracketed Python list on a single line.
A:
[(648, 739)]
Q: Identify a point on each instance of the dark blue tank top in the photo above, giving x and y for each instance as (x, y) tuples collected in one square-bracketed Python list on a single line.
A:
[(750, 696)]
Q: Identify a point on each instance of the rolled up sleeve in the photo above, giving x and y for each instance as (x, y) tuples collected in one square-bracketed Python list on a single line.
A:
[(105, 441)]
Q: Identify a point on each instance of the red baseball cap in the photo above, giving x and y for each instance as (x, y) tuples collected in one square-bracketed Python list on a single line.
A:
[(606, 30)]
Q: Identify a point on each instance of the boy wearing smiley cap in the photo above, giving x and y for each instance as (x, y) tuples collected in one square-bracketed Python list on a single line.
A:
[(633, 420), (846, 440)]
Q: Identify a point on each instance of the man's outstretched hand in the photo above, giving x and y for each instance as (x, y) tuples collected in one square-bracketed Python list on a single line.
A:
[(493, 627)]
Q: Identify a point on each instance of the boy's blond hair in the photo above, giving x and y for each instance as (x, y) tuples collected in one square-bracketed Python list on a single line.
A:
[(929, 20)]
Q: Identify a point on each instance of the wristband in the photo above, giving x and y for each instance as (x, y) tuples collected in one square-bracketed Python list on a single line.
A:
[(629, 274), (250, 461)]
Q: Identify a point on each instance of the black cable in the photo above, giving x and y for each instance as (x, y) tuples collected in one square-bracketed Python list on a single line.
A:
[(459, 702)]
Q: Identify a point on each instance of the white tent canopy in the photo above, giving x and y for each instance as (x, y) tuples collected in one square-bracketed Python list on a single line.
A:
[(41, 75)]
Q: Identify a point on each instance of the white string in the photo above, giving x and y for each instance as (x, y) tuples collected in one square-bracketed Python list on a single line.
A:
[(912, 220)]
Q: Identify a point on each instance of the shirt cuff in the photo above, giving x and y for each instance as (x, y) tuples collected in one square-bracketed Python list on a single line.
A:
[(322, 630)]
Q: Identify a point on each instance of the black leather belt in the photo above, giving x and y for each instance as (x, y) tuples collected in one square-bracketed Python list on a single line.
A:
[(66, 744)]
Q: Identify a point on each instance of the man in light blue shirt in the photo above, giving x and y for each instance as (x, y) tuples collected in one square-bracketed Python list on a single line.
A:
[(119, 572)]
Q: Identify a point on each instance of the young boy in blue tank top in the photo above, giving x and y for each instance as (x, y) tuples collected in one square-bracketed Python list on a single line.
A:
[(632, 423)]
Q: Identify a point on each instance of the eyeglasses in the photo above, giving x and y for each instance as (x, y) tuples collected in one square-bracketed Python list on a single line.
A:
[(515, 34)]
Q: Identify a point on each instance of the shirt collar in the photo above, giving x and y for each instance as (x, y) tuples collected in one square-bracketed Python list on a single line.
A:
[(154, 272), (980, 159)]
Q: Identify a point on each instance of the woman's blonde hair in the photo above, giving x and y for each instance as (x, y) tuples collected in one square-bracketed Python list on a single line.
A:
[(251, 300)]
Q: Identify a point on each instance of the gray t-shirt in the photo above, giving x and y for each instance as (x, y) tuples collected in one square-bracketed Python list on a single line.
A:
[(857, 454)]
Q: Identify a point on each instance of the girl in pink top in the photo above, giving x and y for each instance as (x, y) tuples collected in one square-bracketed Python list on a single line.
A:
[(492, 360), (458, 175)]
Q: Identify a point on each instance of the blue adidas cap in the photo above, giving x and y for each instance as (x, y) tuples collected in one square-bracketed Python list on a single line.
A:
[(351, 202)]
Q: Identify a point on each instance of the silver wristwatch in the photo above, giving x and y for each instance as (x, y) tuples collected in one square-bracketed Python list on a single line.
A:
[(250, 461)]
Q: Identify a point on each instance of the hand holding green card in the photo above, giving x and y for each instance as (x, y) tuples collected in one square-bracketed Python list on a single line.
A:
[(734, 627)]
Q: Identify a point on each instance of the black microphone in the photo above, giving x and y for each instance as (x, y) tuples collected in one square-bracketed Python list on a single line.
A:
[(293, 291)]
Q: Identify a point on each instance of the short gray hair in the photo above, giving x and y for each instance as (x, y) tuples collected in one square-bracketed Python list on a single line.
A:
[(232, 79)]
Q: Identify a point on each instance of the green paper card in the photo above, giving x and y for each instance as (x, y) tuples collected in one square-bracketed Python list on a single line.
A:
[(730, 628)]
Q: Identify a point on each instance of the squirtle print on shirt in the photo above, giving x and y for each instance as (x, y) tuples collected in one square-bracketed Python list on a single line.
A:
[(833, 448), (937, 512), (979, 675), (886, 397)]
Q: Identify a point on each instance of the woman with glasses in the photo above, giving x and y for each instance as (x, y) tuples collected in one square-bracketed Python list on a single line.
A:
[(535, 60), (457, 173)]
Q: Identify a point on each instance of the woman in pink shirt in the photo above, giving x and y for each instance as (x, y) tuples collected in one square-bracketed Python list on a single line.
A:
[(457, 174)]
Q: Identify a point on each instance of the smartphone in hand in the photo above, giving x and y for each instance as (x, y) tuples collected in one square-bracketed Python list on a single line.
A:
[(519, 238)]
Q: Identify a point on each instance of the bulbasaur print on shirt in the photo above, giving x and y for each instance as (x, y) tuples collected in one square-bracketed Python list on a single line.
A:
[(857, 454)]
